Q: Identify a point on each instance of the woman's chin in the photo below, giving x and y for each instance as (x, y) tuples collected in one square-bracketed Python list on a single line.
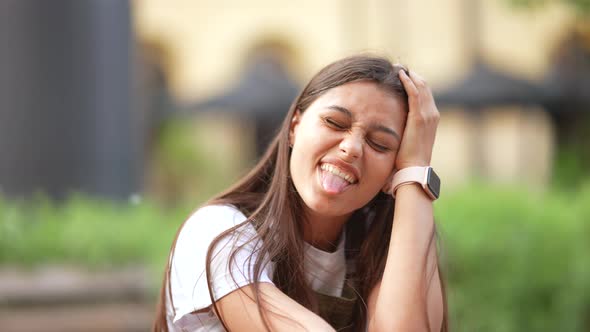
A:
[(328, 208)]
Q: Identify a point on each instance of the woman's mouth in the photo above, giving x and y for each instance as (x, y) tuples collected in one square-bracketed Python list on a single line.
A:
[(335, 180)]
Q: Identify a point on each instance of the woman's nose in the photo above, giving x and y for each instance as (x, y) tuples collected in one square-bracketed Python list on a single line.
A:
[(351, 146)]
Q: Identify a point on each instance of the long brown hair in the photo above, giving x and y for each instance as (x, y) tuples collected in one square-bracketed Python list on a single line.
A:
[(267, 196)]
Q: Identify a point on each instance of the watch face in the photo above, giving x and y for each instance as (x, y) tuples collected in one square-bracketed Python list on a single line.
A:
[(433, 182)]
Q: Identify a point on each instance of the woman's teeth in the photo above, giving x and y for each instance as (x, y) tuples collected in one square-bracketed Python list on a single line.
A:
[(338, 172)]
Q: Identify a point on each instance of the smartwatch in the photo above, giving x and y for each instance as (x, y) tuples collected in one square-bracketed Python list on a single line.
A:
[(423, 175)]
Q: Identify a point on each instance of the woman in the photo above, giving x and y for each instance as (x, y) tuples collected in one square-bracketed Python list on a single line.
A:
[(309, 240)]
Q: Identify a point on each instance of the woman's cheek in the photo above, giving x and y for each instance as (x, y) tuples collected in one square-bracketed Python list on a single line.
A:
[(387, 165)]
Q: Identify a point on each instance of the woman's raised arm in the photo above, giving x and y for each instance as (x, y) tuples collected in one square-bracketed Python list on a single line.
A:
[(401, 300), (409, 296)]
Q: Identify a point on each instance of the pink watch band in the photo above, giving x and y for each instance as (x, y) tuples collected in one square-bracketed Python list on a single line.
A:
[(417, 174)]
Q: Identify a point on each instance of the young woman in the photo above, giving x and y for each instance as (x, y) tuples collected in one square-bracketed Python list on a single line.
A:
[(309, 240)]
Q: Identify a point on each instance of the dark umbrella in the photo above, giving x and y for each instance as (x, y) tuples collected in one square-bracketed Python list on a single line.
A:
[(485, 86), (264, 93), (264, 87)]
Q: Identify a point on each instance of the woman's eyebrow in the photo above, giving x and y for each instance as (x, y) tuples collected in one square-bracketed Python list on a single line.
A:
[(340, 109), (385, 129), (377, 127)]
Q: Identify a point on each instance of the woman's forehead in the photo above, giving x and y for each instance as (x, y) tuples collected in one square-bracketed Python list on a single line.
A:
[(362, 97)]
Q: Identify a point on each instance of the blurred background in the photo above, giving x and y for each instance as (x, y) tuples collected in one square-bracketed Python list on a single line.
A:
[(118, 118)]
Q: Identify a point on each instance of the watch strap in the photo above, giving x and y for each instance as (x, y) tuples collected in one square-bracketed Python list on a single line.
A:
[(414, 174)]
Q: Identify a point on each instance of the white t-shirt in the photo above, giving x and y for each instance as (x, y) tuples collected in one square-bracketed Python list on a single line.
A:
[(325, 271)]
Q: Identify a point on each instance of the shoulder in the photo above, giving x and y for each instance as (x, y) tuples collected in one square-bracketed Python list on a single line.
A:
[(210, 221), (216, 215), (201, 229), (188, 263)]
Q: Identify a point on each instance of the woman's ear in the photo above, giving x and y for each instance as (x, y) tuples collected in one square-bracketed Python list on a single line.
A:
[(294, 123)]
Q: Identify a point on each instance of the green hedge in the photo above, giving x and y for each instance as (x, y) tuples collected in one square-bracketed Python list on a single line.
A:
[(88, 232), (515, 260)]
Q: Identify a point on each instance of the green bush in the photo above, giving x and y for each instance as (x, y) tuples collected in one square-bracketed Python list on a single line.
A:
[(514, 260), (88, 232)]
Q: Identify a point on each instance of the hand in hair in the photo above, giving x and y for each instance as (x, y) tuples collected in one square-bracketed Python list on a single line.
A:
[(420, 131)]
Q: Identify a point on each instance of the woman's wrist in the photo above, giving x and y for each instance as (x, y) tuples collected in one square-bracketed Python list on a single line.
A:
[(424, 176), (410, 188)]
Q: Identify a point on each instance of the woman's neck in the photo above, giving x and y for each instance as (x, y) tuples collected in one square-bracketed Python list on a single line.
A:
[(323, 232)]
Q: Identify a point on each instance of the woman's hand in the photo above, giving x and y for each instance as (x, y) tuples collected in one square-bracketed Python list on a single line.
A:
[(420, 131)]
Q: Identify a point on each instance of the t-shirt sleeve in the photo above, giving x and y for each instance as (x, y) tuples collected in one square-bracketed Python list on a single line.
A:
[(189, 288)]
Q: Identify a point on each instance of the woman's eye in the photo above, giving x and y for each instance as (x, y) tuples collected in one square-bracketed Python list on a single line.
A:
[(334, 124), (378, 147)]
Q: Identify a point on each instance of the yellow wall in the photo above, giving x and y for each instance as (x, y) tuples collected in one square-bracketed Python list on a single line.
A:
[(208, 42)]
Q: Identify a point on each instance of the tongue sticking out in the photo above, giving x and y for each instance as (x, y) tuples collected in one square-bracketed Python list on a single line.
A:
[(333, 183)]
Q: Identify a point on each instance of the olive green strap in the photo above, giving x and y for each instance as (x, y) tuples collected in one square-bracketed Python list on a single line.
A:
[(338, 311)]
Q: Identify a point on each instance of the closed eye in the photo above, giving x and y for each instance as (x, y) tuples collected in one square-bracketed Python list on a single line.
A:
[(378, 147), (334, 124)]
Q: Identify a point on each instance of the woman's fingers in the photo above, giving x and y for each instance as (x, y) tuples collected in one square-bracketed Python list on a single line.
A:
[(426, 100), (420, 130), (409, 85)]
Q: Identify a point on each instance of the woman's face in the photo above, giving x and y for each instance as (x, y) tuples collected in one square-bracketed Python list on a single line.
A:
[(344, 147)]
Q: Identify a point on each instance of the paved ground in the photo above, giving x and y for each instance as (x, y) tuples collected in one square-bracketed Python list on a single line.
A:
[(103, 318), (72, 299)]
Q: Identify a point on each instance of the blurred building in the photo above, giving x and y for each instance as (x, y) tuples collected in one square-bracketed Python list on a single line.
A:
[(209, 43), (82, 100)]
